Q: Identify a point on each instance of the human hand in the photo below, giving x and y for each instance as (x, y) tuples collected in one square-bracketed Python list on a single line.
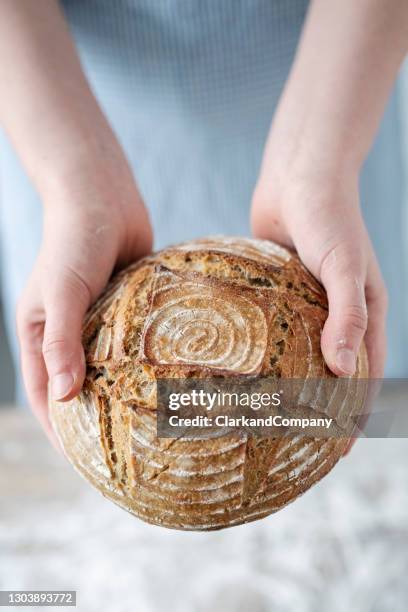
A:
[(322, 131), (94, 218), (308, 206), (94, 221)]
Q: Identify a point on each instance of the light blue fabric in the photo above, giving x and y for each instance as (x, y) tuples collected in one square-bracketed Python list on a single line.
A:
[(190, 87)]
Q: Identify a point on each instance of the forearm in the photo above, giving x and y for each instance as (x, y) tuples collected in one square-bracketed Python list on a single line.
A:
[(347, 61), (307, 194), (46, 105)]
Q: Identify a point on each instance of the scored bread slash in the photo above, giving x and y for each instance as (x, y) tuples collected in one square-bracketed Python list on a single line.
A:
[(194, 320)]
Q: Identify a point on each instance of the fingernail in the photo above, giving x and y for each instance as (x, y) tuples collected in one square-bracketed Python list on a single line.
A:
[(346, 361), (61, 385)]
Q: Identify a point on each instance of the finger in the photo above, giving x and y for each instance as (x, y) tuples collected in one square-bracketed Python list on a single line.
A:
[(66, 301), (30, 329), (343, 276), (373, 390), (377, 304), (375, 338)]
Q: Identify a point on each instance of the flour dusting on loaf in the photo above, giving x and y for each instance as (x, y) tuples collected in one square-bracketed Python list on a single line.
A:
[(216, 306)]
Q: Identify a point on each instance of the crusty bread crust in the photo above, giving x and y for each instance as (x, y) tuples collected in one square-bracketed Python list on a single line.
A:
[(224, 306)]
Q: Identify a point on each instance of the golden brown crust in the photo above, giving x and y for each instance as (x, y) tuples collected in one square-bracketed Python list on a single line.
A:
[(225, 306)]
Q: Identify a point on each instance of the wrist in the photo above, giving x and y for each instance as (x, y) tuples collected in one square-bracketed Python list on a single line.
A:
[(293, 188), (287, 171), (307, 153), (95, 191), (91, 192), (310, 149), (80, 162), (90, 174), (320, 128)]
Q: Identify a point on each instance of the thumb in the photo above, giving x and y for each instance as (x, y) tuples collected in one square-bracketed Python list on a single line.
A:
[(343, 276), (65, 302)]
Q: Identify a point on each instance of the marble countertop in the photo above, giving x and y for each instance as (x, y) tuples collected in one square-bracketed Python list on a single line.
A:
[(342, 546)]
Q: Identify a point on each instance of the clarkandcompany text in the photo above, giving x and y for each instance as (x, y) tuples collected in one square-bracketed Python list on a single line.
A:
[(223, 420)]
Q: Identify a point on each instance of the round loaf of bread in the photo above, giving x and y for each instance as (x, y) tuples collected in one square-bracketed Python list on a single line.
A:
[(219, 306)]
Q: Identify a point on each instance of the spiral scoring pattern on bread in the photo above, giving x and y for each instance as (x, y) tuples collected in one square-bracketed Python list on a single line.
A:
[(223, 306), (192, 321)]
